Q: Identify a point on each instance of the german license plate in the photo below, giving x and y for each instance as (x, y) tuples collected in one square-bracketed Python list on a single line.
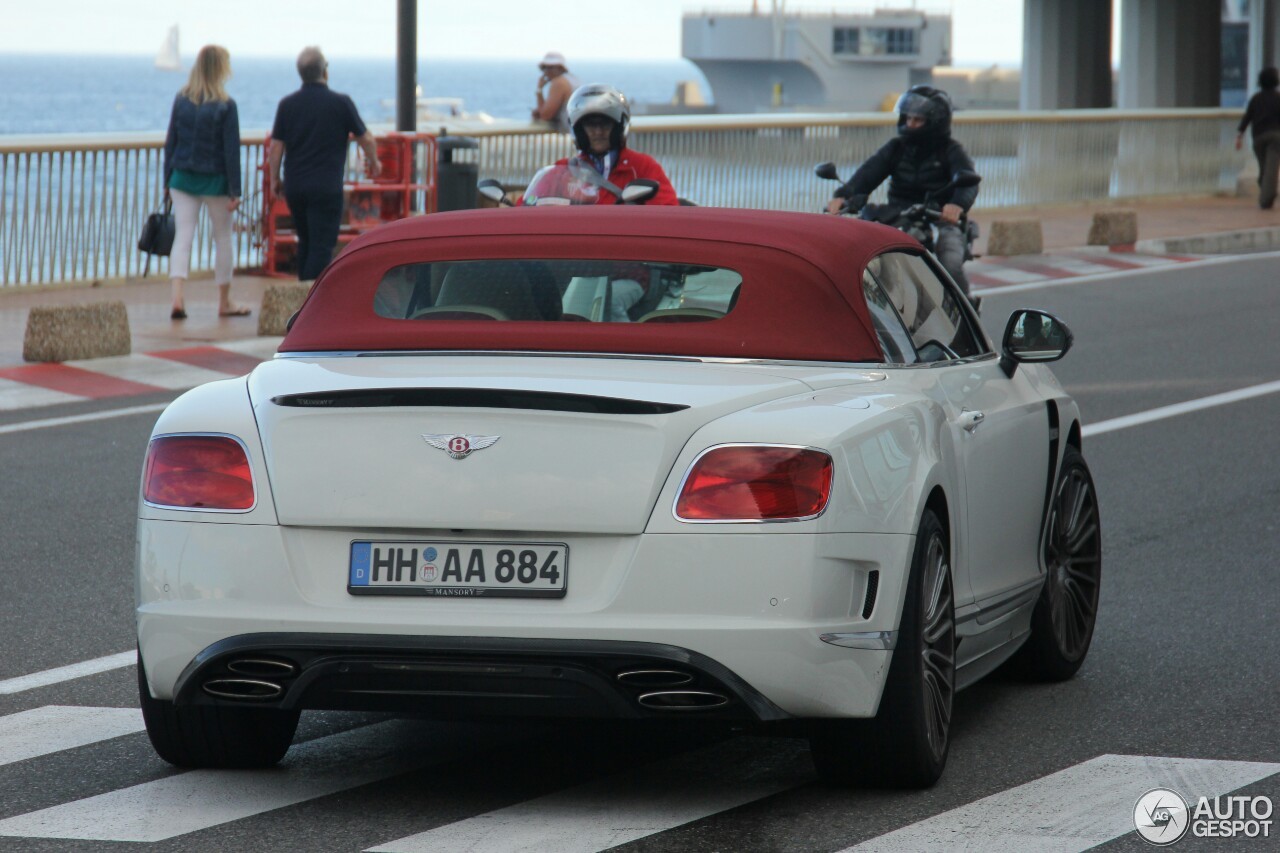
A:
[(459, 569)]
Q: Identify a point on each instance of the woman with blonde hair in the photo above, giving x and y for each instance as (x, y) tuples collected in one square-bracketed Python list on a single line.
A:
[(202, 167)]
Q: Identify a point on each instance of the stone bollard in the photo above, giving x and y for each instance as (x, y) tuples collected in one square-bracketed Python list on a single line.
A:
[(1115, 228), (279, 302), (70, 332), (1015, 237)]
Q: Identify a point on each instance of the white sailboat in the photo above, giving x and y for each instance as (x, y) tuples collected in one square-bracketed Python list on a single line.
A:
[(168, 59)]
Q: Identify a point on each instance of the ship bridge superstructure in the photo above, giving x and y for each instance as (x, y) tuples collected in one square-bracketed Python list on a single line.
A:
[(787, 60)]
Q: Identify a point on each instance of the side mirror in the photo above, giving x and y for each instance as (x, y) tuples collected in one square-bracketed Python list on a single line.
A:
[(492, 190), (639, 191), (1033, 336), (827, 171), (965, 178)]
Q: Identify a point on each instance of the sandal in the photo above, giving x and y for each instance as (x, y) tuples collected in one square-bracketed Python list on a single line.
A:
[(178, 314), (237, 311)]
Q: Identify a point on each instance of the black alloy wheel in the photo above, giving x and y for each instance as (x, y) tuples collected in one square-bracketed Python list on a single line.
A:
[(1065, 615), (938, 646), (906, 744)]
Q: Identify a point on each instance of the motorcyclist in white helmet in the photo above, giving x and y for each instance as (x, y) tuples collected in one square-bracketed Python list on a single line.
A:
[(600, 118)]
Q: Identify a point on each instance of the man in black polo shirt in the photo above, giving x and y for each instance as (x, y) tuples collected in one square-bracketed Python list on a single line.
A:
[(310, 135)]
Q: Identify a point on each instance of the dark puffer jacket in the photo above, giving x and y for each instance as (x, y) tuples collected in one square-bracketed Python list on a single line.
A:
[(914, 170), (204, 138)]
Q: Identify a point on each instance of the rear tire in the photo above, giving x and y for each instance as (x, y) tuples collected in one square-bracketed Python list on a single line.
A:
[(213, 736), (906, 744), (1067, 610)]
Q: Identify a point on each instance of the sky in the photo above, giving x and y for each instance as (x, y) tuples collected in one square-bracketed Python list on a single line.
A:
[(983, 31)]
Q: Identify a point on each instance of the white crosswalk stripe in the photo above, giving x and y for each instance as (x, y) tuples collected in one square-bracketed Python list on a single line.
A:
[(263, 348), (1150, 260), (1012, 275), (1079, 266), (1071, 810), (199, 799), (53, 728), (19, 395), (149, 370), (604, 814)]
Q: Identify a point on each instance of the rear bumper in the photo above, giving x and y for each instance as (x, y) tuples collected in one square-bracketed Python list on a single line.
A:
[(469, 677), (743, 614)]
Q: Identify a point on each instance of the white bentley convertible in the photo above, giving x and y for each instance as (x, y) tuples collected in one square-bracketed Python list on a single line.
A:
[(620, 463)]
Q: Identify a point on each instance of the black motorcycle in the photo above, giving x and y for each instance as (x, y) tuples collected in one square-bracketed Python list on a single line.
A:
[(920, 220)]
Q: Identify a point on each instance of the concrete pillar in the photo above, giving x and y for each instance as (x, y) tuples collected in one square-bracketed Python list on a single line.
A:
[(1264, 32), (1066, 54), (1170, 53)]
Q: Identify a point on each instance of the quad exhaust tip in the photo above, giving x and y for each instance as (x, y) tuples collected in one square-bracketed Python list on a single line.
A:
[(682, 700), (655, 677), (263, 667), (242, 688)]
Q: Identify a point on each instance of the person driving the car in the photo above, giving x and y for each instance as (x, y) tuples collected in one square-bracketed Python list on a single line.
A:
[(919, 164), (600, 119)]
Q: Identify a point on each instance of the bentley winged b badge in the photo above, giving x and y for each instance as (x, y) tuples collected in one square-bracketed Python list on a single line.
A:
[(459, 446)]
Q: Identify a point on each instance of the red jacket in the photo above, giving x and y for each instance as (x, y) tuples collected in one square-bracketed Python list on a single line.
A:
[(631, 165)]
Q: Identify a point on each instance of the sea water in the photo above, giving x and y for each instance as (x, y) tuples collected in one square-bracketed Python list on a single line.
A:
[(110, 94)]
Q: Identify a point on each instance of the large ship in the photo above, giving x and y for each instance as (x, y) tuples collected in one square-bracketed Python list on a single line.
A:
[(758, 61)]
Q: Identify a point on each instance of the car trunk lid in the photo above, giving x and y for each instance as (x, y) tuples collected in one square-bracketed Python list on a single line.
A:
[(486, 443)]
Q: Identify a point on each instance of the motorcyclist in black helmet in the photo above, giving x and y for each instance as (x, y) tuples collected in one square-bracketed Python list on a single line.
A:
[(920, 161)]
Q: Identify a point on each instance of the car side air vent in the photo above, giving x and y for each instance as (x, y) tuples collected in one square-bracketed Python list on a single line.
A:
[(474, 398), (873, 586)]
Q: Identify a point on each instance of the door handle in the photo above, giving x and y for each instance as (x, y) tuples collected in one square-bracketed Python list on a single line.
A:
[(969, 421)]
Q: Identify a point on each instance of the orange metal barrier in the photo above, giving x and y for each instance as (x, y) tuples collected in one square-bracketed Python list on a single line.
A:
[(405, 187)]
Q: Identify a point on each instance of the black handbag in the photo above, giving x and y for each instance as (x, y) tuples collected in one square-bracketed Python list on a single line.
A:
[(157, 234)]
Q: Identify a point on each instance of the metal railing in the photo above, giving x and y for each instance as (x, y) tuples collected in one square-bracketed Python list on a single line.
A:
[(71, 207), (1025, 158)]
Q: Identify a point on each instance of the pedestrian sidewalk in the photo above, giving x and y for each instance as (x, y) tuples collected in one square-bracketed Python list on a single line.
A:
[(178, 354), (1066, 226)]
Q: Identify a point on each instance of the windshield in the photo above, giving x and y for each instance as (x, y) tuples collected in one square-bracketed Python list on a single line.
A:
[(572, 183), (598, 291)]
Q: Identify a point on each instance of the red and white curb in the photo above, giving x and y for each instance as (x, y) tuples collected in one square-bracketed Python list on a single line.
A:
[(31, 385), (1026, 269)]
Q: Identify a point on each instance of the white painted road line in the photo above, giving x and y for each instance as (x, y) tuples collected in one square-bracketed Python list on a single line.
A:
[(54, 728), (606, 813), (189, 802), (81, 419), (1071, 810), (67, 673), (1163, 412)]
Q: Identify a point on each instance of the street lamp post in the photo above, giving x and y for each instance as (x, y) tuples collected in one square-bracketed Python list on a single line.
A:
[(407, 65)]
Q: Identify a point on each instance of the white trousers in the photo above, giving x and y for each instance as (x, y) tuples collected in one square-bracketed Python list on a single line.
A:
[(186, 210)]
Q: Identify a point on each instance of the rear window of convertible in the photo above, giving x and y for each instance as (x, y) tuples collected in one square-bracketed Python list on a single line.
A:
[(592, 291)]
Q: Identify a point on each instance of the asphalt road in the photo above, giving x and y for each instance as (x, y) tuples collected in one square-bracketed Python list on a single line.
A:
[(1183, 663)]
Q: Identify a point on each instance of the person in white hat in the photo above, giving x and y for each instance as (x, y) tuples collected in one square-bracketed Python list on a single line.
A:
[(559, 84)]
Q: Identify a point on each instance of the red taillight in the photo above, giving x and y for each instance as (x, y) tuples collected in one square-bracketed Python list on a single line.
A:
[(756, 483), (199, 471)]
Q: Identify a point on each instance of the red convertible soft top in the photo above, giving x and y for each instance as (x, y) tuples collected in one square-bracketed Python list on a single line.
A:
[(801, 294)]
